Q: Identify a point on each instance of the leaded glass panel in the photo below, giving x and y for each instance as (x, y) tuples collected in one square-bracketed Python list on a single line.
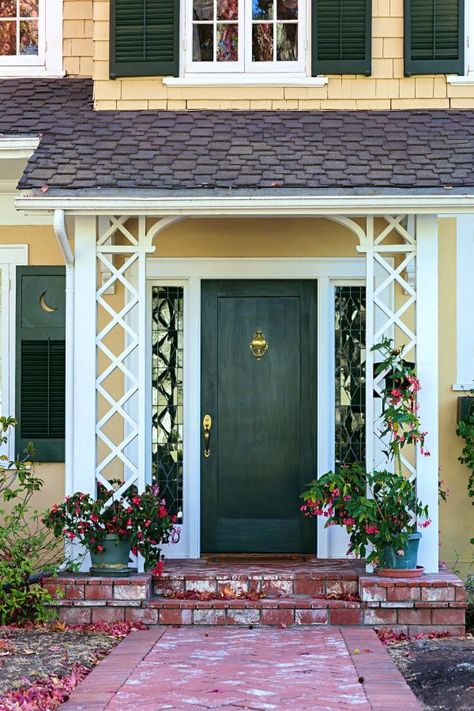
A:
[(350, 324), (167, 385)]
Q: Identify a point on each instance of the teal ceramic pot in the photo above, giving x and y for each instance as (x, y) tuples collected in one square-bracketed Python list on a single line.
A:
[(113, 560), (408, 561)]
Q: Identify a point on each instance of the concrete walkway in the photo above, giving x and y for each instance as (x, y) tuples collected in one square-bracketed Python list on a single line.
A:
[(241, 668)]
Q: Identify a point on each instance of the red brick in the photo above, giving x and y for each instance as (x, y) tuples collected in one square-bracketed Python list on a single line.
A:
[(74, 592), (277, 587), (403, 594), (380, 617), (208, 617), (420, 616), (309, 587), (163, 585), (131, 592), (340, 616), (98, 592), (75, 615), (148, 616), (341, 587), (235, 586), (373, 593), (201, 585), (176, 617), (448, 617), (435, 594), (460, 593), (311, 617), (243, 617), (108, 614), (277, 617)]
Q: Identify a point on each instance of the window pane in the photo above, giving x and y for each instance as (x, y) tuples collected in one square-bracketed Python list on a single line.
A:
[(29, 37), (262, 42), (203, 36), (8, 37), (227, 9), (287, 9), (167, 393), (7, 9), (203, 10), (350, 374), (262, 9), (227, 43), (287, 39), (28, 8)]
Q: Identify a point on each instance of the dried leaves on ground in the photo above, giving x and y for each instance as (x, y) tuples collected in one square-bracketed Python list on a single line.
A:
[(39, 666)]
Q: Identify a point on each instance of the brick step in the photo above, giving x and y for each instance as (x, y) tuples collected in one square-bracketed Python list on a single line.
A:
[(283, 611), (310, 577)]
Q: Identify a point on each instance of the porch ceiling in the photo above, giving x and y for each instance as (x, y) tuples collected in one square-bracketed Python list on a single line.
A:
[(83, 152)]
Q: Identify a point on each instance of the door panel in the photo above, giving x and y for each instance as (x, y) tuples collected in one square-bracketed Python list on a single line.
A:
[(263, 435)]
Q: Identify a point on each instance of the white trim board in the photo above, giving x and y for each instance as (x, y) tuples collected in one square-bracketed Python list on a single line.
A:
[(464, 303), (189, 273)]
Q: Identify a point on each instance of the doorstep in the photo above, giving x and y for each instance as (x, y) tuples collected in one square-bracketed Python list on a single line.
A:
[(294, 592)]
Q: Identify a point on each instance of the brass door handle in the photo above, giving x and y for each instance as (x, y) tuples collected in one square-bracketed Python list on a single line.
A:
[(206, 426)]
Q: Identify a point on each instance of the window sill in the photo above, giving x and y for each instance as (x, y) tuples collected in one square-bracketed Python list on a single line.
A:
[(244, 80), (463, 387), (7, 71), (467, 80)]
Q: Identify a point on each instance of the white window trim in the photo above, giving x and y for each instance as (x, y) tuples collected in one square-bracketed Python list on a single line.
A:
[(242, 73), (464, 301), (468, 78), (10, 257), (49, 61)]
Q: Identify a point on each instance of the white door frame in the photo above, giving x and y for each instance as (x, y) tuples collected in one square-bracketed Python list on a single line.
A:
[(189, 272)]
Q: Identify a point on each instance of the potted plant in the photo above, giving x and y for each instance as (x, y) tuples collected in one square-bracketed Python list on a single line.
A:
[(380, 509), (112, 526)]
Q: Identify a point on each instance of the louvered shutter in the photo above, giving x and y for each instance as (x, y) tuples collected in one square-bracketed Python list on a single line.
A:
[(341, 36), (434, 37), (40, 354), (144, 38)]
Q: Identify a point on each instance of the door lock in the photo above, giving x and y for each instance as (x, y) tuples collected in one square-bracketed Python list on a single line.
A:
[(206, 426)]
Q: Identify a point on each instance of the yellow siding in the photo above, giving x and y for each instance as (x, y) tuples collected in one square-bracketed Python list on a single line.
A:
[(387, 88), (77, 37)]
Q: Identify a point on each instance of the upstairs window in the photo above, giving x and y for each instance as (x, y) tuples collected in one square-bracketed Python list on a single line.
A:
[(246, 35), (30, 37), (239, 37)]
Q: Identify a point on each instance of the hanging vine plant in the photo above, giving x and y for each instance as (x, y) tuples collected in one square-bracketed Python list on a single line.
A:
[(465, 430)]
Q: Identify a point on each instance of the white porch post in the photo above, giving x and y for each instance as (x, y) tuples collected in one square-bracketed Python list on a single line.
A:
[(427, 369), (82, 477)]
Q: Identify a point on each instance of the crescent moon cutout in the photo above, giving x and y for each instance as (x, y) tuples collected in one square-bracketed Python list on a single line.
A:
[(44, 305)]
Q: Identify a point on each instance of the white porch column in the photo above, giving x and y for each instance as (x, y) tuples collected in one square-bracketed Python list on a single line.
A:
[(427, 370), (82, 477)]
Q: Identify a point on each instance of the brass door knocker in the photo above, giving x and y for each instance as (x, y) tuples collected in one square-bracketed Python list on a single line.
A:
[(258, 344)]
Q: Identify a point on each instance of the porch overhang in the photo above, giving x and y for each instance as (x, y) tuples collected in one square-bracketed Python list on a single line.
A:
[(256, 203)]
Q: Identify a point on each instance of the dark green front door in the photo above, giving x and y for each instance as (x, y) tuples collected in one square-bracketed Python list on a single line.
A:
[(262, 441)]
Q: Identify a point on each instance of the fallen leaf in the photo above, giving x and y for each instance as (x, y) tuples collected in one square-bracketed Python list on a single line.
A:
[(44, 188), (369, 651), (356, 651), (29, 651)]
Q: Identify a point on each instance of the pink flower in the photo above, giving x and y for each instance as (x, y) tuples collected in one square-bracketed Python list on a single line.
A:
[(100, 548)]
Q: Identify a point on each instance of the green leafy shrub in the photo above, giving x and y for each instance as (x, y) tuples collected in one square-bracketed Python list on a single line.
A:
[(465, 429), (27, 549)]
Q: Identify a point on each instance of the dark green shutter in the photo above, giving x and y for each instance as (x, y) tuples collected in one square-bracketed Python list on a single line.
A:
[(40, 356), (341, 36), (144, 38), (434, 37)]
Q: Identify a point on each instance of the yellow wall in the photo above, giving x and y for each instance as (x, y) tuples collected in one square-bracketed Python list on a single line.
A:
[(86, 52), (457, 514), (42, 250)]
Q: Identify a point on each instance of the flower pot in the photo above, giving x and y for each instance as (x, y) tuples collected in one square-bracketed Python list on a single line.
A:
[(113, 560), (407, 561)]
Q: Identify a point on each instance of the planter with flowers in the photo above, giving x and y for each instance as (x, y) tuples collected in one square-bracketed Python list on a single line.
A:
[(380, 509), (111, 527)]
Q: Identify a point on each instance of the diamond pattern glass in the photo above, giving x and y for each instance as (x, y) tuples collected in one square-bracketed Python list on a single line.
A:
[(167, 392), (350, 333)]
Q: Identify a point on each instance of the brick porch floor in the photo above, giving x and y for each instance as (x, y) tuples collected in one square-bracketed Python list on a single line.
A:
[(261, 668)]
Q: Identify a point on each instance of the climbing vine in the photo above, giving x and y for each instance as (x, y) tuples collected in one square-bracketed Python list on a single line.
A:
[(465, 430)]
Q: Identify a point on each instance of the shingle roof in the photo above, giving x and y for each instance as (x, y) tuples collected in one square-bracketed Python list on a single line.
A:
[(82, 149)]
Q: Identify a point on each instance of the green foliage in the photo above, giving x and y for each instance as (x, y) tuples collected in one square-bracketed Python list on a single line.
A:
[(375, 508), (142, 518), (465, 430), (26, 548)]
